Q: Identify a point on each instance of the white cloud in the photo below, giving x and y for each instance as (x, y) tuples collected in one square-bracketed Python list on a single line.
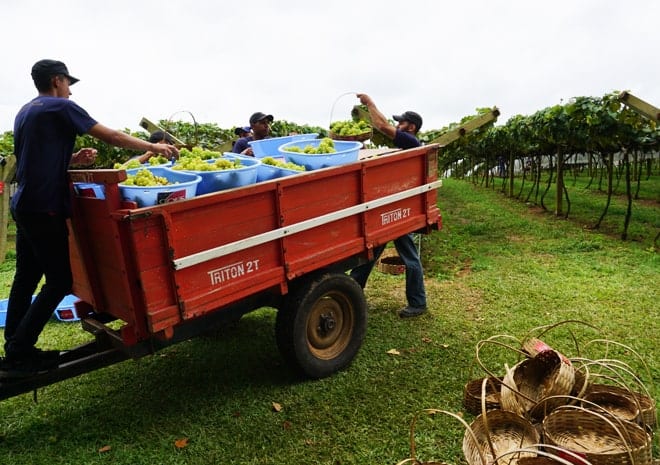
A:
[(295, 59)]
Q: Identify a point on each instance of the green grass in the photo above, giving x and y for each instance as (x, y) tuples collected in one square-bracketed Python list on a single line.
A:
[(497, 267)]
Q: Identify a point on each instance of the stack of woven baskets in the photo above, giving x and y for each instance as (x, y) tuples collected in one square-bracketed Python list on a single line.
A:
[(582, 409), (549, 409)]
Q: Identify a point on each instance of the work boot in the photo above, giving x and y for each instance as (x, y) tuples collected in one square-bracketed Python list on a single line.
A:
[(37, 362), (409, 311), (26, 368), (47, 355)]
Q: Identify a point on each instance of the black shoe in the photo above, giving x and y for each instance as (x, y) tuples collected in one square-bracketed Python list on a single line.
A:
[(46, 355), (16, 369), (409, 311)]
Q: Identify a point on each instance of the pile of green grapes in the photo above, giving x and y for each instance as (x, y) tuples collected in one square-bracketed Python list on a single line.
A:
[(282, 164), (350, 128), (326, 145), (144, 177), (135, 163), (199, 152), (157, 160), (130, 164), (193, 163)]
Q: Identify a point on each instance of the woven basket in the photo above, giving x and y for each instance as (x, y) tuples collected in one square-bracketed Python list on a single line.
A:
[(532, 380), (534, 346), (620, 405), (620, 376), (391, 263), (472, 394), (537, 461), (496, 433), (548, 455), (641, 402), (602, 440)]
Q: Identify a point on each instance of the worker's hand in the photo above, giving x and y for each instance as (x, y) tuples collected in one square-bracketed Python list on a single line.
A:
[(248, 151), (365, 99), (168, 151), (84, 157)]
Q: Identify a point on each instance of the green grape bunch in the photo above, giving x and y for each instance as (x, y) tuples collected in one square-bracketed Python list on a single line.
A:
[(145, 178), (198, 152), (135, 163), (156, 160), (130, 164), (193, 163), (282, 164), (326, 145), (350, 128)]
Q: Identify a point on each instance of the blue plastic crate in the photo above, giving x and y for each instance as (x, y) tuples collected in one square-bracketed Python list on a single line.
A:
[(214, 181), (268, 147), (145, 196), (65, 311), (86, 189), (347, 152), (266, 172), (3, 313)]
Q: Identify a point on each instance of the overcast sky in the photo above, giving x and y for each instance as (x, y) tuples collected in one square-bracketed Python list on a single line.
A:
[(295, 59)]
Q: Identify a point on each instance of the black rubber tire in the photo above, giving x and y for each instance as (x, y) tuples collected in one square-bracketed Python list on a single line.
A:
[(321, 326)]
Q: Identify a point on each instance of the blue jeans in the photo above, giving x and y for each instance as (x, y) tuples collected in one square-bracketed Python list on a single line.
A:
[(42, 249), (405, 247)]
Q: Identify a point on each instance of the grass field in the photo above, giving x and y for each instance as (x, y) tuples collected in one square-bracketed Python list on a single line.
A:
[(498, 267)]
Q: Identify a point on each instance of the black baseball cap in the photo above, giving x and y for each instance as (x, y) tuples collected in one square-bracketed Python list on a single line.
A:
[(47, 68), (411, 117), (258, 116), (240, 130)]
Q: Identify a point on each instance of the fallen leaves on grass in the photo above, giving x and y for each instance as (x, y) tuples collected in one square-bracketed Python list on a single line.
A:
[(105, 449), (181, 443), (393, 352), (276, 407)]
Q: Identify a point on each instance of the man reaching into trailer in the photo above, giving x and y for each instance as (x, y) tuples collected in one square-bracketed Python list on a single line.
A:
[(45, 131), (404, 136)]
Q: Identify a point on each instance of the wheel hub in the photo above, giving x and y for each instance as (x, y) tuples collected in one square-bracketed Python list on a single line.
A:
[(327, 323)]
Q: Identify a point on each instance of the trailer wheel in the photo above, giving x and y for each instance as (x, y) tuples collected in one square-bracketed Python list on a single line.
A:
[(322, 324)]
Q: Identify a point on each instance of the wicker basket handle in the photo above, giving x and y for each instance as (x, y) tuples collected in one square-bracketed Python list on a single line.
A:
[(485, 417), (628, 348), (583, 367), (545, 328), (433, 411), (583, 401), (196, 141), (493, 340), (613, 365), (332, 109)]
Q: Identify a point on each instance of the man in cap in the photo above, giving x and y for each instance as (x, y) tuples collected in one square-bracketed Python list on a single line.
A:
[(45, 131), (241, 131), (404, 136), (260, 125)]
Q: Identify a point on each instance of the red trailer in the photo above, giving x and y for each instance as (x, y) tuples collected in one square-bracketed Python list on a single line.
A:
[(166, 273)]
